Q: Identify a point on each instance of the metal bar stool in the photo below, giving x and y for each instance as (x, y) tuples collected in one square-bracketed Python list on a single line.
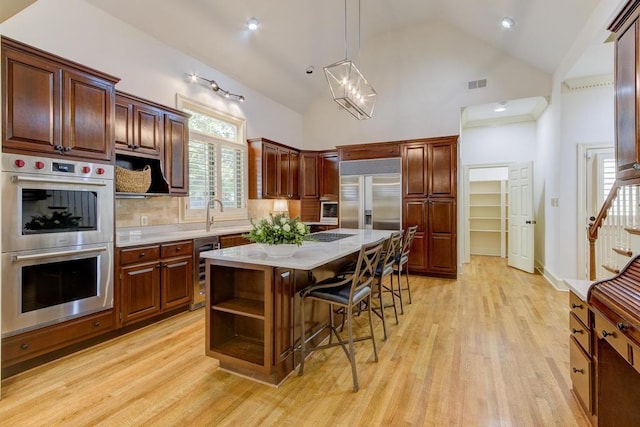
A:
[(401, 264), (390, 251), (345, 291)]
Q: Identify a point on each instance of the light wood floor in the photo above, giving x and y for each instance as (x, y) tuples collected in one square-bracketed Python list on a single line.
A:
[(490, 349)]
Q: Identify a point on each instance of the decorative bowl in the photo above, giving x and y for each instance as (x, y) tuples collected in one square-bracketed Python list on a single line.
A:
[(283, 250)]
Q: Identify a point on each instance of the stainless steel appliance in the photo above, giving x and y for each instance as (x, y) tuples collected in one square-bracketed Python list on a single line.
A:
[(370, 194), (57, 240), (329, 213), (199, 281)]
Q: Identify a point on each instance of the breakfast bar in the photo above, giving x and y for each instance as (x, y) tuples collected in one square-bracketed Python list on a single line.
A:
[(251, 321)]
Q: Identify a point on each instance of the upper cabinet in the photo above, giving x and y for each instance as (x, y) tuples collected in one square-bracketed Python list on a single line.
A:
[(273, 170), (429, 167), (146, 130), (625, 26), (55, 107), (329, 175), (376, 150), (309, 175)]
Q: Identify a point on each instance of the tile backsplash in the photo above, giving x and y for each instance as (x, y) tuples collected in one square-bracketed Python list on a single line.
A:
[(166, 210)]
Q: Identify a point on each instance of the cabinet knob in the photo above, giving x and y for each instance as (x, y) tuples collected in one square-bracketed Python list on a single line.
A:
[(67, 149), (58, 148), (576, 331), (606, 334), (178, 249), (574, 305), (576, 371), (636, 166), (621, 326), (141, 254), (24, 346), (96, 324)]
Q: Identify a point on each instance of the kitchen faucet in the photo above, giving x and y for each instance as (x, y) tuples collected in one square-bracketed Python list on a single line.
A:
[(209, 218)]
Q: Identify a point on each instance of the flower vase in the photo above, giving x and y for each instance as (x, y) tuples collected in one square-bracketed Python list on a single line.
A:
[(284, 250)]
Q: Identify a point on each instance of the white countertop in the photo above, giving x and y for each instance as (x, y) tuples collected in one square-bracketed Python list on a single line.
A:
[(579, 287), (160, 234), (310, 255)]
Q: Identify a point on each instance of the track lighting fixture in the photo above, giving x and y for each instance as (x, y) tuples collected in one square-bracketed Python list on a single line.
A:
[(216, 88)]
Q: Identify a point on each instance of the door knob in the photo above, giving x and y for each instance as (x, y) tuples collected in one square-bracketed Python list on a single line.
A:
[(530, 222)]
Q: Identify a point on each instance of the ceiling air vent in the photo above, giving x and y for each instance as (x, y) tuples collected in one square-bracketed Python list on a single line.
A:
[(477, 84)]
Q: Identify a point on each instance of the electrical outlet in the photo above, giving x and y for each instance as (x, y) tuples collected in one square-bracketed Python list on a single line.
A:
[(144, 220)]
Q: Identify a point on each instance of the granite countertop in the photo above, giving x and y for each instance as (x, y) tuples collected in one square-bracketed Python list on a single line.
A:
[(579, 287), (309, 255), (160, 234)]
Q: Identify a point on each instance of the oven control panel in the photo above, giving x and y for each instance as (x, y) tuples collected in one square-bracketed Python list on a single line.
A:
[(48, 166)]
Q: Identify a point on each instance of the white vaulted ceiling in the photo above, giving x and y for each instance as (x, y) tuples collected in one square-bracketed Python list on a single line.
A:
[(296, 34)]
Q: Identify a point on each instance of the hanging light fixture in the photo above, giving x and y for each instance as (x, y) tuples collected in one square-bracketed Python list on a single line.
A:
[(215, 87), (349, 88)]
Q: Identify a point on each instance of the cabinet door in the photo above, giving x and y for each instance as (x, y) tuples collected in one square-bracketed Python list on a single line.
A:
[(177, 282), (329, 176), (123, 128), (270, 171), (176, 144), (441, 236), (415, 213), (147, 125), (414, 170), (31, 113), (626, 99), (294, 175), (283, 310), (309, 172), (140, 291), (441, 169), (284, 173), (231, 240), (87, 116)]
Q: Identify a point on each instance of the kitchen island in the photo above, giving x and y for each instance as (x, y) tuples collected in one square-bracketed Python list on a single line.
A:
[(252, 326)]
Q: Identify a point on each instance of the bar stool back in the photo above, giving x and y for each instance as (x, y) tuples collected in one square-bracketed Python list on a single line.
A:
[(391, 249), (345, 291), (401, 264)]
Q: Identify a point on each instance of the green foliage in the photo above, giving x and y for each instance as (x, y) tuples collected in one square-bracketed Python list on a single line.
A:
[(278, 229), (55, 220)]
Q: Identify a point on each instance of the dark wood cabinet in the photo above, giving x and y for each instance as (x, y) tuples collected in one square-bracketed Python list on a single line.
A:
[(627, 105), (229, 240), (284, 317), (441, 237), (55, 107), (329, 176), (429, 181), (154, 279), (145, 130), (374, 150), (309, 175), (176, 153), (273, 170)]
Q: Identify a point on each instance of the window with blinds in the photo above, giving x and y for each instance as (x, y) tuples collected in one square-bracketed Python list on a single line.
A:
[(217, 164)]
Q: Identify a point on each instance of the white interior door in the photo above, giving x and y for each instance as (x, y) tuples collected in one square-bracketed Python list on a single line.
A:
[(521, 221)]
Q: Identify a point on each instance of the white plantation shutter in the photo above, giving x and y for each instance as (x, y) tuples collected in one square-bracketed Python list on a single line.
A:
[(217, 164)]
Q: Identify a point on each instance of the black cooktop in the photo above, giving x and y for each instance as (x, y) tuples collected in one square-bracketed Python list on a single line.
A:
[(329, 237)]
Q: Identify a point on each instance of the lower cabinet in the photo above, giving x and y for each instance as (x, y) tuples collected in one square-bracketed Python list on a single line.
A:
[(230, 240), (26, 346), (581, 353), (154, 279)]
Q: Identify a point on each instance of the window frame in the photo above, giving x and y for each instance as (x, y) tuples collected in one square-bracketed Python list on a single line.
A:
[(188, 215)]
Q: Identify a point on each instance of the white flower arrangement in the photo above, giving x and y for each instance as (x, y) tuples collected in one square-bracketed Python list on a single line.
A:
[(278, 229)]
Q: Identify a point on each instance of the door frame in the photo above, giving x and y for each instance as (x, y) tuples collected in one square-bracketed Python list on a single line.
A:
[(582, 243), (466, 256)]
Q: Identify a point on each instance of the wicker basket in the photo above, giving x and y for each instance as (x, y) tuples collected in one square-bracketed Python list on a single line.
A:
[(129, 181)]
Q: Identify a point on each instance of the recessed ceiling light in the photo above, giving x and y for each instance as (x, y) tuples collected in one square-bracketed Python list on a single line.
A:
[(507, 22), (253, 24), (502, 106)]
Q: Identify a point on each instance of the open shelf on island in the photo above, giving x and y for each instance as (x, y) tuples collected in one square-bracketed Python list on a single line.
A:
[(244, 348), (242, 306)]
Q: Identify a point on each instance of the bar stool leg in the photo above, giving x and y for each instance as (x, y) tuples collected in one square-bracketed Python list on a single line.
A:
[(393, 298), (352, 352)]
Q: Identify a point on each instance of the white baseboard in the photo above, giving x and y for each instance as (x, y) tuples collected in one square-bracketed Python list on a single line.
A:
[(557, 283)]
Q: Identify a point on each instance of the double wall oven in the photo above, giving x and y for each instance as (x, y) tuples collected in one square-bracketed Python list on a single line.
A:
[(57, 240)]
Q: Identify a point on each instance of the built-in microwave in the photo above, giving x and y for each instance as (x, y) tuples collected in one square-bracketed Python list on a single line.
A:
[(329, 213)]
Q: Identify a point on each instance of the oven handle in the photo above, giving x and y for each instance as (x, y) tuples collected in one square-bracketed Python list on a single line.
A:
[(18, 178), (58, 253)]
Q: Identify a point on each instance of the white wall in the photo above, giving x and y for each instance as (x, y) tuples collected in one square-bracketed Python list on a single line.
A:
[(80, 32), (421, 75), (509, 143)]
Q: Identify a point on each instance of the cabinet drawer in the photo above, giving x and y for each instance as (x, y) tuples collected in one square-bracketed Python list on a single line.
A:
[(579, 308), (581, 366), (580, 333), (31, 344), (139, 254), (608, 331), (176, 249)]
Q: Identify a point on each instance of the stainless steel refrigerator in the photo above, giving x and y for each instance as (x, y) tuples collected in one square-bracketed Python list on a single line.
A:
[(371, 194)]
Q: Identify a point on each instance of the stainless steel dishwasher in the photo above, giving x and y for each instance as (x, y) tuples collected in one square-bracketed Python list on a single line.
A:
[(199, 281)]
